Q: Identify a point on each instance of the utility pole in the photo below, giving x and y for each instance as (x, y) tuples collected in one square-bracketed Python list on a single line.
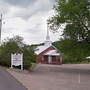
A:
[(0, 28)]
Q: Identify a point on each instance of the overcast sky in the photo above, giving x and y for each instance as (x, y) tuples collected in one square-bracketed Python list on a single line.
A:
[(27, 18)]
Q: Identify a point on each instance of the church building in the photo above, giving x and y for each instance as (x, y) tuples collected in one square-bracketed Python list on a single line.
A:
[(47, 53)]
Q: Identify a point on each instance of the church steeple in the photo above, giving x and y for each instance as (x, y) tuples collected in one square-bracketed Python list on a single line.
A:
[(47, 37), (48, 42)]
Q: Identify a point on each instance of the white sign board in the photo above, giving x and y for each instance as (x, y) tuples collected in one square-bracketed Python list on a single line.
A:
[(16, 60)]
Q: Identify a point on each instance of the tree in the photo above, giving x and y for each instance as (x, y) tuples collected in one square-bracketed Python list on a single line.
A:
[(72, 51), (29, 56), (76, 15), (13, 45), (5, 52)]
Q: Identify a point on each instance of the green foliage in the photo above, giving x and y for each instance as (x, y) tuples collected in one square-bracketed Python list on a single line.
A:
[(76, 15), (12, 46), (72, 51), (75, 45), (29, 56), (5, 52)]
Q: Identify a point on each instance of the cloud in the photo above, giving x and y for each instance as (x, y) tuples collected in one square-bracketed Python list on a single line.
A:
[(31, 7), (26, 3), (20, 3), (27, 18), (42, 6), (4, 7)]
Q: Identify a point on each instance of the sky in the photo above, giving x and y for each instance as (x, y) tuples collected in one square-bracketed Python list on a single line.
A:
[(28, 19)]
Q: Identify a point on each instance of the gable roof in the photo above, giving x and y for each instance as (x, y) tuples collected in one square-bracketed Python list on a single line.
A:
[(40, 49), (52, 52)]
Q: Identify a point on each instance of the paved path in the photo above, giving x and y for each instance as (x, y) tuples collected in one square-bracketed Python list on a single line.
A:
[(52, 77), (7, 82)]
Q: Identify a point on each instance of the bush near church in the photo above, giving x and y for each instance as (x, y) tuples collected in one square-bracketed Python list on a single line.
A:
[(12, 46)]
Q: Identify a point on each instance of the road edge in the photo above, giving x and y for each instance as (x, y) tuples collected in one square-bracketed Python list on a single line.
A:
[(7, 70)]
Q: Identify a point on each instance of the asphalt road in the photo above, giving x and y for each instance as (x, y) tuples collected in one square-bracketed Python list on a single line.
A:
[(55, 77), (7, 82), (64, 77)]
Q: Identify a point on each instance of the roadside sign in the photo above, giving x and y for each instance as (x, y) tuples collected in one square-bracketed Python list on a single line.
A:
[(88, 57), (16, 60)]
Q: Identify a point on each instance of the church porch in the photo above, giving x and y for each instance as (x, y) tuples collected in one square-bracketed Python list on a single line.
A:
[(51, 59)]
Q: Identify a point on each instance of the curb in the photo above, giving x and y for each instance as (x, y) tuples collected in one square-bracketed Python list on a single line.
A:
[(16, 79)]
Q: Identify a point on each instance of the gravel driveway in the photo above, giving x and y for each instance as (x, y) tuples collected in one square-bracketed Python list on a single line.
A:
[(54, 77)]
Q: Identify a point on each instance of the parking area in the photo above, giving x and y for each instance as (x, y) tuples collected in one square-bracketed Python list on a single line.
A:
[(56, 77)]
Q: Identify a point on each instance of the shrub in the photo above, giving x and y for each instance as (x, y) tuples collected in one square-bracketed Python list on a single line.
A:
[(11, 46)]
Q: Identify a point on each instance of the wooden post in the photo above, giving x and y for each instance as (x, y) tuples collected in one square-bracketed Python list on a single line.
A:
[(21, 61), (11, 60)]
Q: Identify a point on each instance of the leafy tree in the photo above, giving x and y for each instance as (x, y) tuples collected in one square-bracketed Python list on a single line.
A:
[(29, 56), (76, 15), (5, 52), (72, 51), (14, 45)]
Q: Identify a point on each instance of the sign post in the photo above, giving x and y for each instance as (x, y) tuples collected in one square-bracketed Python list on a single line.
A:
[(16, 60)]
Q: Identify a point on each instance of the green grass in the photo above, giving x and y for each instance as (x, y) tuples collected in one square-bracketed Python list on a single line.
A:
[(33, 64)]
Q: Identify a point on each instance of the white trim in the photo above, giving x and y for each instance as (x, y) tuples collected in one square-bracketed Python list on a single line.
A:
[(49, 59)]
